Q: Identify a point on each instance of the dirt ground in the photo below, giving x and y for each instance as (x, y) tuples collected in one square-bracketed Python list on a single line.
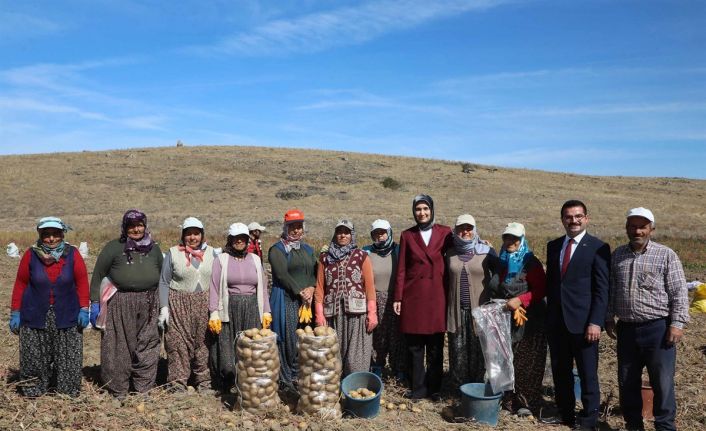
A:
[(96, 410)]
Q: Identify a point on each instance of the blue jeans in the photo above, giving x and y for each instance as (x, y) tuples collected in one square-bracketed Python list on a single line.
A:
[(643, 345)]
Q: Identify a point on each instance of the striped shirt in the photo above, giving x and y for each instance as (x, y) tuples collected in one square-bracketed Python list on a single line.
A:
[(648, 285)]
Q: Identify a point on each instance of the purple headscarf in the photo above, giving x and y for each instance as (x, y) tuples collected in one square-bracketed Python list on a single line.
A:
[(144, 245)]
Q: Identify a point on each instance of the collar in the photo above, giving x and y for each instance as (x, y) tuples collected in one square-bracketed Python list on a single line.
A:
[(577, 238)]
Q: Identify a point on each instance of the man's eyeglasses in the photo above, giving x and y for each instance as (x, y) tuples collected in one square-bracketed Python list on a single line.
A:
[(576, 217)]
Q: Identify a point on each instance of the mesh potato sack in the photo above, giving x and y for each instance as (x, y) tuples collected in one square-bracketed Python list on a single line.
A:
[(258, 370), (319, 372)]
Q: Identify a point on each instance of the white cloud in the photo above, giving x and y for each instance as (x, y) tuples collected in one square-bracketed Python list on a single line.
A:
[(17, 26), (343, 26), (345, 99)]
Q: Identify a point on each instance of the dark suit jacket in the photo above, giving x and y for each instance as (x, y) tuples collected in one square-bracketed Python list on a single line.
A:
[(581, 297), (421, 281)]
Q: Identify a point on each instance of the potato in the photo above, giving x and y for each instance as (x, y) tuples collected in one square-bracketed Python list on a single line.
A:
[(330, 331), (308, 330), (251, 332), (245, 353), (320, 331), (300, 332)]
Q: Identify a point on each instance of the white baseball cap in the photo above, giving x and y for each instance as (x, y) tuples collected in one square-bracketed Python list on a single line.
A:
[(191, 222), (514, 229), (465, 219), (49, 222), (380, 224), (641, 212), (238, 229), (256, 226)]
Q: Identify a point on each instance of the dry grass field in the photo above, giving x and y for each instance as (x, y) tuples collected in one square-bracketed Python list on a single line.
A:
[(222, 185)]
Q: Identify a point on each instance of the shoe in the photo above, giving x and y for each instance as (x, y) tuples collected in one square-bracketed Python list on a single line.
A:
[(435, 397), (557, 420), (580, 427)]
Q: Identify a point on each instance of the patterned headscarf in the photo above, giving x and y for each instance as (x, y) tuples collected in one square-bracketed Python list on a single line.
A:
[(144, 245), (383, 248), (474, 245), (46, 254), (429, 201), (514, 262), (337, 252), (287, 240)]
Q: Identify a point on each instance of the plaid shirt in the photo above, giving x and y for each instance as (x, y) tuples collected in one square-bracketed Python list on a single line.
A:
[(648, 285)]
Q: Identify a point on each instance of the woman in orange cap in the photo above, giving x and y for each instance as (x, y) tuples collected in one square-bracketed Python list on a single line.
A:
[(293, 279)]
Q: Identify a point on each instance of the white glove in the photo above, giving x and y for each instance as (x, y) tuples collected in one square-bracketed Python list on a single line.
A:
[(163, 319)]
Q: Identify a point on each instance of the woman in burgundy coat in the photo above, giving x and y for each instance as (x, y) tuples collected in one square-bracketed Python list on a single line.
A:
[(420, 297)]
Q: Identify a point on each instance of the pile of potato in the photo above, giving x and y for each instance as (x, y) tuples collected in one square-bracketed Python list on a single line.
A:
[(361, 394), (319, 372), (258, 369)]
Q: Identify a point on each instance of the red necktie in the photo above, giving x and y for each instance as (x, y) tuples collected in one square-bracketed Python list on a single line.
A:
[(567, 257)]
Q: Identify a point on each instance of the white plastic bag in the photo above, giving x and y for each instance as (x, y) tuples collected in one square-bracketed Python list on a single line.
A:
[(83, 249), (12, 250), (493, 324)]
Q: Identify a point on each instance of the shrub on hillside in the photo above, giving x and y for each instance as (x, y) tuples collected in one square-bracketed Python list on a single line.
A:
[(391, 183)]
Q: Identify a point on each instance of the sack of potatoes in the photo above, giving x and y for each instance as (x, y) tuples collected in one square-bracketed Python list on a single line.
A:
[(258, 369), (319, 372)]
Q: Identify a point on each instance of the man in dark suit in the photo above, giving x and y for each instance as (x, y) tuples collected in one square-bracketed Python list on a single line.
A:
[(577, 299)]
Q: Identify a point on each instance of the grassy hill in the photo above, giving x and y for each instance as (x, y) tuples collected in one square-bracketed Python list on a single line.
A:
[(222, 185)]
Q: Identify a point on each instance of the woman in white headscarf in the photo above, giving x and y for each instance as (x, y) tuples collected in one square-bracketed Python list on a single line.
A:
[(471, 263), (183, 299), (345, 297), (237, 301), (49, 310)]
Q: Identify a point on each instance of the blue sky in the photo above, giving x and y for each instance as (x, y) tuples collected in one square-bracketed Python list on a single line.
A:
[(602, 87)]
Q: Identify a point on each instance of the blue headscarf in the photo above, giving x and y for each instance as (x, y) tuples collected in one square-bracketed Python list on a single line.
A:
[(514, 262)]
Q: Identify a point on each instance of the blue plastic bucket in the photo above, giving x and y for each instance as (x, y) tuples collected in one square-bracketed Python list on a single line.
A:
[(369, 407), (480, 403)]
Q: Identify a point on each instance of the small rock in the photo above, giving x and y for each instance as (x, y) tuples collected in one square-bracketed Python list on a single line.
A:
[(190, 389), (416, 410), (230, 424), (302, 425), (248, 424), (140, 408)]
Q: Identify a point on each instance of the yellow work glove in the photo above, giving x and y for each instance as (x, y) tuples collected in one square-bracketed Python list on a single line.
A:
[(214, 322), (305, 314), (266, 320), (519, 316)]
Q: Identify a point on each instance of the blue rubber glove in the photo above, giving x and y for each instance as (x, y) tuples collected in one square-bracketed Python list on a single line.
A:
[(95, 309), (83, 317), (15, 322)]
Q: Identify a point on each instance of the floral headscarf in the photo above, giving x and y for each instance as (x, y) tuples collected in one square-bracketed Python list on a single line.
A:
[(142, 246)]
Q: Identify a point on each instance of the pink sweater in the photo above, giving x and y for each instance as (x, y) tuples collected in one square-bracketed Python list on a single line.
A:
[(242, 280)]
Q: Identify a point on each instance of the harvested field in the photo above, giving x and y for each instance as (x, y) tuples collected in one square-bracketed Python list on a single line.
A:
[(334, 184)]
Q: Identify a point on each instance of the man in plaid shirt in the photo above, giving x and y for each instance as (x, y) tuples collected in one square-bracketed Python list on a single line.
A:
[(648, 295)]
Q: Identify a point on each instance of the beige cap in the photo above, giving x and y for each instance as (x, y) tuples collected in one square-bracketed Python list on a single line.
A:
[(514, 229), (465, 219), (641, 212), (256, 226)]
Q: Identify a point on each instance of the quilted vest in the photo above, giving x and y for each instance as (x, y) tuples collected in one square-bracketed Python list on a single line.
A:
[(35, 299), (186, 278), (344, 282)]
